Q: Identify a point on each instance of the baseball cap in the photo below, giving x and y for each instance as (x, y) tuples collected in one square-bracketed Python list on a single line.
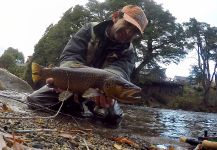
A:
[(136, 16)]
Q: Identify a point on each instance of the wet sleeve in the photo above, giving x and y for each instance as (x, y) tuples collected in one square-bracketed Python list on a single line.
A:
[(76, 48)]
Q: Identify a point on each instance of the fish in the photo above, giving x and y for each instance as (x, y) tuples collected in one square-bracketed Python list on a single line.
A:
[(89, 82)]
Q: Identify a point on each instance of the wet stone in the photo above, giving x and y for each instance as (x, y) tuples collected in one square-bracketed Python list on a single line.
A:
[(38, 145)]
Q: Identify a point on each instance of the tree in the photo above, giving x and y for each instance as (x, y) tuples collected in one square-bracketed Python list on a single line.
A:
[(203, 39), (6, 61), (9, 60), (163, 41), (51, 45), (196, 76), (101, 13), (154, 74), (18, 57)]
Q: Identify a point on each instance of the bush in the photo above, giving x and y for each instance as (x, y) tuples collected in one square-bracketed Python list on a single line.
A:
[(190, 99), (17, 70), (198, 88)]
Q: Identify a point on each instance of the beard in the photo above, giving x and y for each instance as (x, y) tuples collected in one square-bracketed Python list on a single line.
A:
[(121, 36)]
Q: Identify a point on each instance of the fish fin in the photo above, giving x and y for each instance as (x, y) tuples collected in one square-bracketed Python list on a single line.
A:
[(77, 65), (91, 92), (36, 70)]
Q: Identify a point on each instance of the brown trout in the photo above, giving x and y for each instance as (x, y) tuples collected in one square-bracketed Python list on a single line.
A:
[(89, 82)]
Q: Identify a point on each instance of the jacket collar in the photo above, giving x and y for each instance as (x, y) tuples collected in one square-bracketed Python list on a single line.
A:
[(100, 28)]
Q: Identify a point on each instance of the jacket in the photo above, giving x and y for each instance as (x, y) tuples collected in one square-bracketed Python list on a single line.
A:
[(90, 46)]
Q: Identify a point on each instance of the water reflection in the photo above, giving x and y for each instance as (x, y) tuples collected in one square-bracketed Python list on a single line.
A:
[(169, 123)]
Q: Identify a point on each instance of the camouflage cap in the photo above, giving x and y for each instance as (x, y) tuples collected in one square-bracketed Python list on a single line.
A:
[(135, 15)]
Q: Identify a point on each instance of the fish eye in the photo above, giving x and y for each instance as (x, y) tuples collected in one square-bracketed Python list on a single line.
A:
[(127, 85)]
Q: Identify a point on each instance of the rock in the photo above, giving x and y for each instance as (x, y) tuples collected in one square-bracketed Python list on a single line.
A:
[(9, 81), (2, 87)]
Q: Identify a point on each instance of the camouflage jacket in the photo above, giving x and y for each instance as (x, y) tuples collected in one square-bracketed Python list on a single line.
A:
[(90, 46)]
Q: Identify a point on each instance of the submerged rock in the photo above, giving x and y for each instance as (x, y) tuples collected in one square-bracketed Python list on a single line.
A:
[(9, 81)]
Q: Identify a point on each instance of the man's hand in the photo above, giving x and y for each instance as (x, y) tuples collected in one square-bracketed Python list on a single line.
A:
[(50, 82), (103, 101)]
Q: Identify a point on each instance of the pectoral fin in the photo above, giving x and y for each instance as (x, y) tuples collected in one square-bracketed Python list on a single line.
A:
[(77, 65), (91, 93)]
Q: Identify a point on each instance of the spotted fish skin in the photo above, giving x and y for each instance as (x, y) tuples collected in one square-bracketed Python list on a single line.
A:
[(81, 79)]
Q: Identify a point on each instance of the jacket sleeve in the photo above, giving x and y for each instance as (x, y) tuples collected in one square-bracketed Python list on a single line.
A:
[(76, 49), (124, 64)]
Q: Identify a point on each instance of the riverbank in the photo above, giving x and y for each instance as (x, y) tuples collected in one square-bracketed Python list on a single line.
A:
[(190, 100), (67, 132)]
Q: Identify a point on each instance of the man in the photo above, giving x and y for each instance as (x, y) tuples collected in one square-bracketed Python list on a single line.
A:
[(106, 45)]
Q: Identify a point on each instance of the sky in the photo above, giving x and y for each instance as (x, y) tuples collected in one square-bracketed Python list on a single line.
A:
[(23, 22), (203, 11)]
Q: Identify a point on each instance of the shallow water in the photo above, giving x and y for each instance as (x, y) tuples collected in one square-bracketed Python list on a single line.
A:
[(169, 123), (163, 126)]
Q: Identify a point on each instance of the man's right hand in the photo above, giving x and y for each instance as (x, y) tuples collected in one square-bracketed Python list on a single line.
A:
[(50, 82)]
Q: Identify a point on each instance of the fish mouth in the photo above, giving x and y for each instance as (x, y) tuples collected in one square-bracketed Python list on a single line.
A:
[(131, 96)]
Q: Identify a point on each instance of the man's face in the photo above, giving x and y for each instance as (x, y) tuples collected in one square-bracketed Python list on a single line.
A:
[(123, 31)]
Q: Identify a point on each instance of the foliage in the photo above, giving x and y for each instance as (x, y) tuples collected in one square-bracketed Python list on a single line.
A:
[(154, 74), (196, 75), (28, 74), (50, 46), (190, 99), (17, 70), (203, 38), (6, 61), (17, 56), (11, 59), (99, 14)]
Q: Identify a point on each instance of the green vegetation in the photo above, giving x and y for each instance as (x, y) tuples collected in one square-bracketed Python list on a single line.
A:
[(192, 99), (202, 37), (11, 60)]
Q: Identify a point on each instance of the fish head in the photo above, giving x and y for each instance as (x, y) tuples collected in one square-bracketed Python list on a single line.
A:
[(122, 90)]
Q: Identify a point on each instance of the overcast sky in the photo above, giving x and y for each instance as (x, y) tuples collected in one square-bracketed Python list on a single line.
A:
[(203, 11), (23, 22)]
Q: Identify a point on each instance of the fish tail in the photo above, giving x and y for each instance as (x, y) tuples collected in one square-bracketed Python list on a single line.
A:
[(36, 71)]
